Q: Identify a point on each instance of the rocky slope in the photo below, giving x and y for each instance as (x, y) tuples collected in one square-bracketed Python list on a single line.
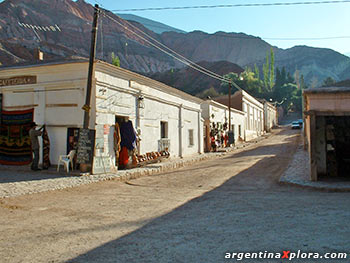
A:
[(18, 42), (315, 64), (74, 20), (150, 24), (189, 80)]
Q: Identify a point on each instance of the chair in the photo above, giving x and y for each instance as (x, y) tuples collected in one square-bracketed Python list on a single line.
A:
[(66, 159)]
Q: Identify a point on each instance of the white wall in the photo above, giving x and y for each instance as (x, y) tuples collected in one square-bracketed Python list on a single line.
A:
[(117, 94), (254, 118), (60, 94), (220, 113), (57, 98)]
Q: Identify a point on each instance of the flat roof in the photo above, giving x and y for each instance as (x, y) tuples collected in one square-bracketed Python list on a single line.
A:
[(132, 75), (327, 90), (48, 62)]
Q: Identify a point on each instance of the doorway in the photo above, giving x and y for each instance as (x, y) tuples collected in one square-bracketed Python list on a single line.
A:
[(337, 137)]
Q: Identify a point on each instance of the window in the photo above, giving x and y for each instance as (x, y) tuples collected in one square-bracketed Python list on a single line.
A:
[(190, 138), (163, 129), (239, 130)]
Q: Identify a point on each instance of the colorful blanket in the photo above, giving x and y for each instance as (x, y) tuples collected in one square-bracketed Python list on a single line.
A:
[(46, 150), (15, 143)]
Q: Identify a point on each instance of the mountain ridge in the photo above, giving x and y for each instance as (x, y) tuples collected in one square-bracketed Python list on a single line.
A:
[(18, 44), (155, 26)]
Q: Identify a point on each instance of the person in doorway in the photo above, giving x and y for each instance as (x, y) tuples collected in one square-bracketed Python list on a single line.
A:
[(213, 143), (33, 134)]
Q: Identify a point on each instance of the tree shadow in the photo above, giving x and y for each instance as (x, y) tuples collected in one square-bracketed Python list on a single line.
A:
[(248, 212)]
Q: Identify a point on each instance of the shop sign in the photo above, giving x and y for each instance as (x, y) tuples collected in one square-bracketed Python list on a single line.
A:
[(19, 80), (86, 143)]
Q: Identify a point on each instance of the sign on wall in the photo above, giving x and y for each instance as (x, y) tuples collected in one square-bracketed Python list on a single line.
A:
[(86, 145), (18, 80)]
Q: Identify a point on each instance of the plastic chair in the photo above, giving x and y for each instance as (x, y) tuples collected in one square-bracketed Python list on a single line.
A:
[(66, 159)]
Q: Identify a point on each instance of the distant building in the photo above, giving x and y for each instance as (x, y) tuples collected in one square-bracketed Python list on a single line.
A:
[(216, 117), (54, 93), (327, 128), (270, 115), (253, 109)]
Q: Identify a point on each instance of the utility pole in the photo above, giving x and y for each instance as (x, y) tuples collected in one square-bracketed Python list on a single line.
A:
[(87, 107), (229, 106), (87, 137)]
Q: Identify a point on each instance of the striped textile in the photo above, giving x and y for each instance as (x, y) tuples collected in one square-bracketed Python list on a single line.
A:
[(15, 145)]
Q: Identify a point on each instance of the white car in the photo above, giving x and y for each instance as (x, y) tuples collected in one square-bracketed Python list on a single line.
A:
[(296, 125)]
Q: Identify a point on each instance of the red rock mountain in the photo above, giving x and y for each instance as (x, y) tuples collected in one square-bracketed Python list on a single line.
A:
[(18, 42), (189, 80)]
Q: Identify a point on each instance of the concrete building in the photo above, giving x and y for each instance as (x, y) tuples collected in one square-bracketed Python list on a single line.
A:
[(163, 117), (270, 116), (327, 128), (216, 117), (253, 109)]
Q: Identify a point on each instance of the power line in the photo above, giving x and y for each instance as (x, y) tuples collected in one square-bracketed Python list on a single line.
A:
[(169, 49), (242, 37), (206, 72), (228, 35), (182, 59), (230, 6)]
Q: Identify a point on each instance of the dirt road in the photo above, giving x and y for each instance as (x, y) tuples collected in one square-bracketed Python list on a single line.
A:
[(194, 214)]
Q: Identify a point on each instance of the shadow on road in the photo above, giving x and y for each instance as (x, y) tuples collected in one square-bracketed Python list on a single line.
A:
[(249, 212), (24, 174)]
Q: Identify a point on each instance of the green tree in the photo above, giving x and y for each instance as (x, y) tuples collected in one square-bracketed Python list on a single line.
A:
[(256, 71), (209, 93), (272, 70), (236, 79), (302, 82), (266, 75), (115, 60), (269, 71), (328, 82), (246, 81), (279, 81)]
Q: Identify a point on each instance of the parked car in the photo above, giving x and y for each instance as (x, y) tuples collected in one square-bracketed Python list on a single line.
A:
[(301, 123), (296, 125)]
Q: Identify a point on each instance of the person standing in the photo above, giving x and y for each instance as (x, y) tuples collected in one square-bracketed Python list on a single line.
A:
[(33, 134)]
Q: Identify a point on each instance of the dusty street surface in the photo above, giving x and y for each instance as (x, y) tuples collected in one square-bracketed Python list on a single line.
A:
[(194, 214)]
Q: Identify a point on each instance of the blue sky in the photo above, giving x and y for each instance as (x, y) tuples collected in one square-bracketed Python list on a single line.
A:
[(302, 21)]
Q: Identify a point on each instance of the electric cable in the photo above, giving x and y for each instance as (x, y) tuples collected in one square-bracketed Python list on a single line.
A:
[(216, 76), (231, 5), (182, 60), (171, 50)]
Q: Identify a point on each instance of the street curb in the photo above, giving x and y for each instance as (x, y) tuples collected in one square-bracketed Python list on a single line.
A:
[(157, 168), (153, 169), (296, 175), (69, 181), (314, 187)]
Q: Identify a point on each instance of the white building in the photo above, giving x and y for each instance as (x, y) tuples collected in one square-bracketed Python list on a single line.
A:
[(253, 109), (270, 115), (163, 116), (217, 115)]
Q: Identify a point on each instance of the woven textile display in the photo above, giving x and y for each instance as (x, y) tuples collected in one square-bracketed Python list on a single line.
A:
[(15, 148), (46, 150)]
